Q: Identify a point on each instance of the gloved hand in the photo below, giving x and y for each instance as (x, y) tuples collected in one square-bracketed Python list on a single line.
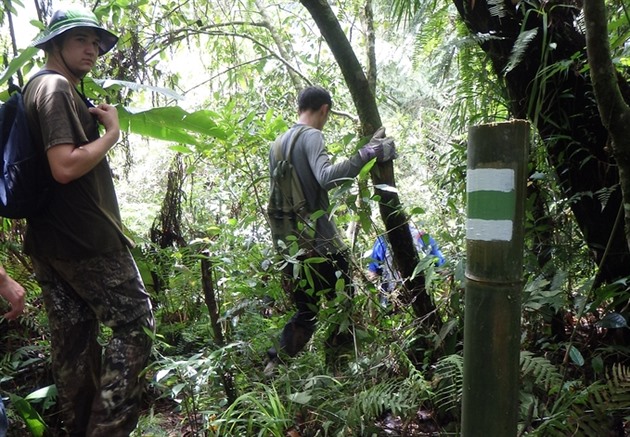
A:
[(380, 133), (380, 146)]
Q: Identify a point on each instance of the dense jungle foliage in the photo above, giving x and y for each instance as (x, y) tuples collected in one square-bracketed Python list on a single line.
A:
[(204, 87)]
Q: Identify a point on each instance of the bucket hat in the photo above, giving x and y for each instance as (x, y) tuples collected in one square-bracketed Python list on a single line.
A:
[(64, 20)]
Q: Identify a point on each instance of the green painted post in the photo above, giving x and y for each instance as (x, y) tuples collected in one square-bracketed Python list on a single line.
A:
[(495, 186)]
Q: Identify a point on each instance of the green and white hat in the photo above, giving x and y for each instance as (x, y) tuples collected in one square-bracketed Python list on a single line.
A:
[(64, 20)]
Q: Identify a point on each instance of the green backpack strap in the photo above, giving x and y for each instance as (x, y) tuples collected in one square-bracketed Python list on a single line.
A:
[(277, 145)]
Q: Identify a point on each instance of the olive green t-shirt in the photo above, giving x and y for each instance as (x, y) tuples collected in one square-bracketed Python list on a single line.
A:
[(82, 218)]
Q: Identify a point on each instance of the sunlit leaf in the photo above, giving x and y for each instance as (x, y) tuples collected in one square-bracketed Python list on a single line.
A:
[(385, 187), (161, 374), (42, 393), (107, 83), (31, 417)]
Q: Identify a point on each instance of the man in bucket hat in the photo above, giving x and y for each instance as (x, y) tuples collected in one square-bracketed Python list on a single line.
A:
[(80, 254), (64, 20)]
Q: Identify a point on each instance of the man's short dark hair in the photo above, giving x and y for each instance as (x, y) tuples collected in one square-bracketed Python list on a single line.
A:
[(313, 98)]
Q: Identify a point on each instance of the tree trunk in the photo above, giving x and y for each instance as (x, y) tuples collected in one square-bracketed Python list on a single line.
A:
[(404, 253), (560, 104), (614, 111), (207, 283)]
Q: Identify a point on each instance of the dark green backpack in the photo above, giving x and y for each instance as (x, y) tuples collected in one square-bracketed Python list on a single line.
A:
[(286, 210)]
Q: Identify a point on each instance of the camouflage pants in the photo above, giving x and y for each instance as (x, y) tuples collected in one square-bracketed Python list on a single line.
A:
[(99, 387)]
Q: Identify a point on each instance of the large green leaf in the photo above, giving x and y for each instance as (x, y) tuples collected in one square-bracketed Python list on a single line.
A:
[(576, 356), (203, 122), (18, 63), (170, 124), (31, 417), (161, 123)]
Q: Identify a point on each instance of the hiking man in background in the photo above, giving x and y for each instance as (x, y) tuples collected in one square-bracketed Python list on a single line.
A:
[(381, 264), (317, 175), (79, 252)]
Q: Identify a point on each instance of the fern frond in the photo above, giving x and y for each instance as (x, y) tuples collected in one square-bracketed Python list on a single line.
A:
[(449, 382), (589, 411), (541, 370), (618, 390), (497, 8), (401, 397), (520, 47), (604, 194)]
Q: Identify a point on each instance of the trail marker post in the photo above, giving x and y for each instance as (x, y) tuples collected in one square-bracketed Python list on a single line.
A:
[(495, 188)]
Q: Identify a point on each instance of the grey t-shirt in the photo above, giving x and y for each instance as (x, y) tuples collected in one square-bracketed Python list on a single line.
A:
[(318, 175)]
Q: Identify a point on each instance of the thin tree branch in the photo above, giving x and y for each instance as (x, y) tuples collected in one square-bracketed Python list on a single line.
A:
[(285, 52)]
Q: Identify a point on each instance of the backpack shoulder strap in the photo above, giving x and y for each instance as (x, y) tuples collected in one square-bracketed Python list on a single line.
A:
[(39, 73), (299, 131), (277, 149), (277, 145)]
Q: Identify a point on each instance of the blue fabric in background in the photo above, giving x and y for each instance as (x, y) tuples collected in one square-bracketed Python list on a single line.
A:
[(4, 424), (423, 241)]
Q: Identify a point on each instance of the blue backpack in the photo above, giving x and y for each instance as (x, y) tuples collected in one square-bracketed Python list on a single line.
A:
[(25, 178)]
